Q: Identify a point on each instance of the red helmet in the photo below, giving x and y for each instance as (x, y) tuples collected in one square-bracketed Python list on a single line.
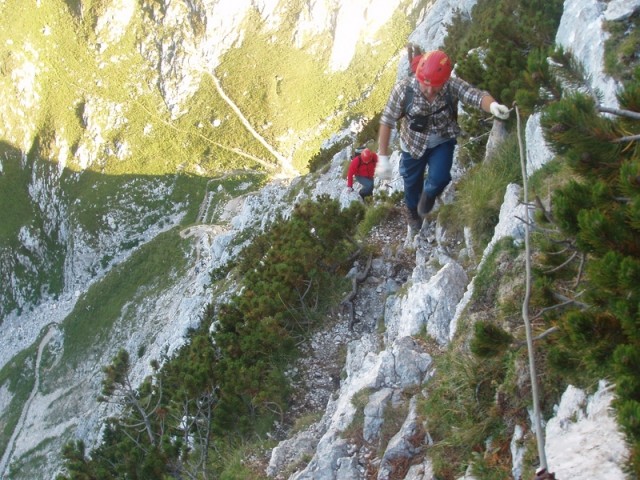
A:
[(366, 155), (434, 68)]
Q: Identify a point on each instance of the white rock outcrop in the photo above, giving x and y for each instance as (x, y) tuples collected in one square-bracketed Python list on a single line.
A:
[(583, 439), (581, 33)]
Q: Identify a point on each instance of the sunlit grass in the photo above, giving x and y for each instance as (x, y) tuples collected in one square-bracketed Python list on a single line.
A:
[(294, 100), (481, 192)]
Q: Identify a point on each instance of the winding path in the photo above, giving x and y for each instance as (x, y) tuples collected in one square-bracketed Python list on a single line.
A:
[(6, 457), (285, 163)]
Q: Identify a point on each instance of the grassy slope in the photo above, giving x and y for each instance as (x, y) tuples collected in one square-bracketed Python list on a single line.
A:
[(292, 95)]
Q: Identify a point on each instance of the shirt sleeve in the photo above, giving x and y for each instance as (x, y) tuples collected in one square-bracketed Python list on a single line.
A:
[(467, 93)]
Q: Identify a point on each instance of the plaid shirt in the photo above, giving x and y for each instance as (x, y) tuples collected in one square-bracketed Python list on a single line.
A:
[(441, 124)]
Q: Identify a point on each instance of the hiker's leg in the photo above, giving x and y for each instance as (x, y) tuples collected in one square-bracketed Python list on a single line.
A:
[(412, 172), (440, 159), (367, 186)]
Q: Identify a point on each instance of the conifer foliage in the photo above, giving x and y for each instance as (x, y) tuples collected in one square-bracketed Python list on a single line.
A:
[(599, 210), (502, 43), (502, 47), (228, 381), (289, 273)]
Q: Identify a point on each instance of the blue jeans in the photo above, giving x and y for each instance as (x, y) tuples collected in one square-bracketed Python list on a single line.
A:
[(439, 159), (367, 185)]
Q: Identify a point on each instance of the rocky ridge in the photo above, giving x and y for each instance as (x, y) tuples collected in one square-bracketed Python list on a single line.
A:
[(369, 425)]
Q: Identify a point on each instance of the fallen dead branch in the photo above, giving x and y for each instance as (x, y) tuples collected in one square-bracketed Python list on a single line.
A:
[(357, 279)]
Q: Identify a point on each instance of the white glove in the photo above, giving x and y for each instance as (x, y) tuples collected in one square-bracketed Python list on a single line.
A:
[(383, 167), (499, 111), (349, 189)]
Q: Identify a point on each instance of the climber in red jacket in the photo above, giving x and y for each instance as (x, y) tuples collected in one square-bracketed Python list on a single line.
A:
[(363, 167)]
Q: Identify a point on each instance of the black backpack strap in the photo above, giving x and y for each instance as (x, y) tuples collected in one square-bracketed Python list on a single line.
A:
[(451, 105), (408, 100)]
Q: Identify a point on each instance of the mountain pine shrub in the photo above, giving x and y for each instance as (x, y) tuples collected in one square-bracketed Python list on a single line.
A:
[(496, 49), (597, 212), (227, 382)]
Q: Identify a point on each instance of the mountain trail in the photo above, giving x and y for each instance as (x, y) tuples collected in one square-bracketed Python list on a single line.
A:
[(316, 375), (285, 163), (6, 457)]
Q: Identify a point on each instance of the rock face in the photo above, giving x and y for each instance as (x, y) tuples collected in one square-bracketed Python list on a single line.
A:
[(578, 421), (581, 33), (383, 372), (183, 54)]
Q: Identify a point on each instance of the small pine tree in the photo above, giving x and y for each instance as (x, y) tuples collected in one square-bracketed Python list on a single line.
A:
[(600, 211), (489, 340)]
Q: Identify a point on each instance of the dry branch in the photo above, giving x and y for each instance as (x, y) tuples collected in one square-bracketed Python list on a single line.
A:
[(620, 112), (348, 300), (564, 264), (630, 138)]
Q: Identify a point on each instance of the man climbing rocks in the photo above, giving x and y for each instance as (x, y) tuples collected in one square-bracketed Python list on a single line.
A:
[(363, 167), (426, 106)]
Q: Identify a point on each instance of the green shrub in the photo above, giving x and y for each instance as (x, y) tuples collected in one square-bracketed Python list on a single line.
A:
[(489, 340), (597, 213), (620, 59), (459, 408), (516, 29), (373, 216)]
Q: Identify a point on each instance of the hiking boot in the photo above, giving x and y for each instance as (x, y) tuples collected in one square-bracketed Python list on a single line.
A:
[(425, 204), (413, 219)]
